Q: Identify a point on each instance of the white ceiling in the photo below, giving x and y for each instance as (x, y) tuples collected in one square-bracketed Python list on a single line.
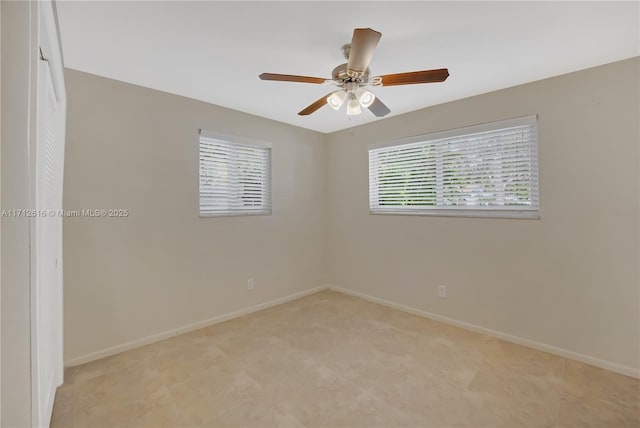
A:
[(214, 51)]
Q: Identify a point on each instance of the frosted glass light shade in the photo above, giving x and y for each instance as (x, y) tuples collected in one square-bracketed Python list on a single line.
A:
[(353, 107), (336, 99), (366, 98)]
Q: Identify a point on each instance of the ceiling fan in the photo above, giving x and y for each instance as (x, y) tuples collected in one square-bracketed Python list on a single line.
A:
[(353, 77)]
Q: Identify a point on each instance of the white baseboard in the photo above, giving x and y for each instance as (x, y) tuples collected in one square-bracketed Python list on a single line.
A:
[(607, 365), (186, 329), (618, 368)]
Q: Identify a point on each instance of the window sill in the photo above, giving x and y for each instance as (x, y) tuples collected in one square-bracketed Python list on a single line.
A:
[(507, 214), (236, 214)]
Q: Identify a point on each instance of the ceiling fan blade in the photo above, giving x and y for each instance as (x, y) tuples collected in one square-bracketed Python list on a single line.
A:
[(291, 78), (378, 108), (315, 106), (363, 44), (425, 76)]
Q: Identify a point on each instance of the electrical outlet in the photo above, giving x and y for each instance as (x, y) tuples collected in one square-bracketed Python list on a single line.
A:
[(442, 291), (250, 284)]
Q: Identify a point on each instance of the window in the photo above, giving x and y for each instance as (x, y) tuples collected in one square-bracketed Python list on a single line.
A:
[(488, 170), (235, 176)]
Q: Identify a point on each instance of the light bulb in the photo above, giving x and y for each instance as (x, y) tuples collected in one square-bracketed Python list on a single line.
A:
[(336, 99), (353, 107), (365, 97)]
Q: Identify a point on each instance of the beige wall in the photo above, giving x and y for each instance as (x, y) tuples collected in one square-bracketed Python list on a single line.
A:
[(568, 280), (163, 267), (15, 374)]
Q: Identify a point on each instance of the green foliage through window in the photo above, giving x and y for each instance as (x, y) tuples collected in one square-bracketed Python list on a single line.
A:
[(491, 169)]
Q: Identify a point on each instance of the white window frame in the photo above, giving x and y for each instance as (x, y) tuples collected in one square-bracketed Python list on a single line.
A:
[(532, 212), (240, 141)]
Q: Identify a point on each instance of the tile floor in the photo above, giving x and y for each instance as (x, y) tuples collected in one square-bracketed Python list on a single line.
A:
[(333, 360)]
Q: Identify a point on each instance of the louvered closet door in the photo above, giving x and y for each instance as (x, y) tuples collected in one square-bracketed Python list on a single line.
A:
[(47, 252)]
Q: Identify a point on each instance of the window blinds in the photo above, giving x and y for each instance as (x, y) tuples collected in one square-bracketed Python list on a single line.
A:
[(235, 179), (487, 170)]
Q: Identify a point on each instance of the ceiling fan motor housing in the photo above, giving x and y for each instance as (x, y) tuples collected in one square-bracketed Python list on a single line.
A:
[(340, 74)]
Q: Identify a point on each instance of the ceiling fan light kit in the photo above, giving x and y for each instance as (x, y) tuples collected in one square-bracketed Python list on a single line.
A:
[(353, 76)]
